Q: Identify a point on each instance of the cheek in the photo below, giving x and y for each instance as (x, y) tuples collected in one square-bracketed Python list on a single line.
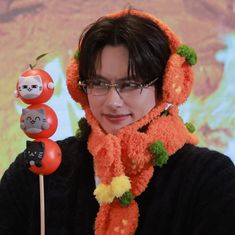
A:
[(145, 104), (95, 105)]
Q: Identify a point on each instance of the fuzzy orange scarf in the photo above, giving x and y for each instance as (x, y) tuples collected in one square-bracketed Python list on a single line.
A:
[(127, 155), (124, 163)]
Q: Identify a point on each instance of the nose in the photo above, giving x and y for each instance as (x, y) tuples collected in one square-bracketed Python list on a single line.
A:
[(113, 98)]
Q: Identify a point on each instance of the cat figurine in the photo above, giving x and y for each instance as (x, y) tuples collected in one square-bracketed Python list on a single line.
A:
[(34, 153), (34, 120), (30, 87)]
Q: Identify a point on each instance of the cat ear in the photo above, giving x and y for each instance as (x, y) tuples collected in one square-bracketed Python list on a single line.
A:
[(42, 145), (21, 79), (38, 78), (41, 110), (25, 111), (28, 143)]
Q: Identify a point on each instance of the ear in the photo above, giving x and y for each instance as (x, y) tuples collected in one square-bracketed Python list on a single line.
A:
[(38, 78), (21, 79), (177, 81), (41, 145), (41, 110), (25, 111), (28, 143)]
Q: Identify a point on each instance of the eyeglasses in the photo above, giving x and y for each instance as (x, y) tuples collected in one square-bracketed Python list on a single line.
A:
[(124, 87)]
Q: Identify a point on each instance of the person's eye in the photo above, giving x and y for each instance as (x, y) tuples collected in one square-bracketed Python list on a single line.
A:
[(98, 84), (128, 86)]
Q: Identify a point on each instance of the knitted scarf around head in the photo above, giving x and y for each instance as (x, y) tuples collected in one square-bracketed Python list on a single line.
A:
[(125, 162)]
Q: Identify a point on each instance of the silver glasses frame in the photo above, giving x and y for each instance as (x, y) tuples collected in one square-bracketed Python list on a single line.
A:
[(83, 85)]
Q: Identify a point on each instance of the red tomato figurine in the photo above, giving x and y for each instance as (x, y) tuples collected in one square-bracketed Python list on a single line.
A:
[(34, 86), (38, 121), (42, 156)]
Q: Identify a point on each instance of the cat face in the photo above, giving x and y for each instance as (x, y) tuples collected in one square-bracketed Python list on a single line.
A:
[(30, 87), (34, 120), (33, 153)]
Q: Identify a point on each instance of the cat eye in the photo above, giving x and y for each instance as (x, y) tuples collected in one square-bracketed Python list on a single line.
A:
[(25, 86), (34, 86), (37, 118), (29, 118)]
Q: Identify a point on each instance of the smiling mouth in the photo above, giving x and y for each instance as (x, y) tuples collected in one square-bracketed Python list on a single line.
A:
[(116, 118)]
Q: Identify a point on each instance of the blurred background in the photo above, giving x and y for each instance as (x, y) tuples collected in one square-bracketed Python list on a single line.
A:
[(30, 28)]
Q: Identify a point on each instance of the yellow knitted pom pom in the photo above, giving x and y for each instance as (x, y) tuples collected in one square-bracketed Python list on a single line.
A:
[(120, 185), (103, 193)]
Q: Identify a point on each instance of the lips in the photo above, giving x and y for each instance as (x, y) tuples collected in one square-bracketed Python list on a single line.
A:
[(116, 119)]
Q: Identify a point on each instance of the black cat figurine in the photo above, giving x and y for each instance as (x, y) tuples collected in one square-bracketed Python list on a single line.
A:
[(33, 153)]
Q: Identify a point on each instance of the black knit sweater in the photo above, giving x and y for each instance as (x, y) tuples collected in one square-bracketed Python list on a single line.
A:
[(194, 193)]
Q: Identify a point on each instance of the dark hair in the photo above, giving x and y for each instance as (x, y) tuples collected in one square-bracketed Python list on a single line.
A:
[(148, 46)]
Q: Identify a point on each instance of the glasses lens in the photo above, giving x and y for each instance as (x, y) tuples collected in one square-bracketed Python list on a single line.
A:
[(97, 87), (129, 88), (126, 88)]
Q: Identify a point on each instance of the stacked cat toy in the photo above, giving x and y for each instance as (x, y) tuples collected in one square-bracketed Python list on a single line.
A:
[(39, 122)]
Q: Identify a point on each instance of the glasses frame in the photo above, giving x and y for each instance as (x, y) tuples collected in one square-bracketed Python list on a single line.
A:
[(82, 85)]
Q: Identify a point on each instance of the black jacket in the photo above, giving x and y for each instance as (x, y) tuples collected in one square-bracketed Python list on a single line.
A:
[(194, 193)]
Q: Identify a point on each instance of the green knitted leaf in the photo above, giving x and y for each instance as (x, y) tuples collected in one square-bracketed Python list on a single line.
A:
[(160, 160), (191, 128), (76, 55), (157, 148), (126, 199), (188, 53), (161, 155)]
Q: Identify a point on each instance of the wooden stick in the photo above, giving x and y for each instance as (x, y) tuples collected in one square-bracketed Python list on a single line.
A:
[(42, 204)]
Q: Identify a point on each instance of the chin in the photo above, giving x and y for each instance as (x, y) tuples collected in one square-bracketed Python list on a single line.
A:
[(114, 129), (111, 130)]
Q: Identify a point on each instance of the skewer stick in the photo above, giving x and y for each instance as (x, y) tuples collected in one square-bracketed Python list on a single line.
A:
[(42, 204)]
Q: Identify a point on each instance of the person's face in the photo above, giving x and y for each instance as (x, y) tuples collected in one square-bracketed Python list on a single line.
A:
[(112, 110)]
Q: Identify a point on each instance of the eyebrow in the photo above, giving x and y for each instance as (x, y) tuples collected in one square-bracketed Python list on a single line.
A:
[(103, 78)]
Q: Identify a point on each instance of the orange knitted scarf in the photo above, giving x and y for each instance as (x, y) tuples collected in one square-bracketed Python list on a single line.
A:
[(124, 162), (127, 154)]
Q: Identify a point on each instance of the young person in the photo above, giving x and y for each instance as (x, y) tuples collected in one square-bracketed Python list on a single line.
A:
[(133, 167)]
